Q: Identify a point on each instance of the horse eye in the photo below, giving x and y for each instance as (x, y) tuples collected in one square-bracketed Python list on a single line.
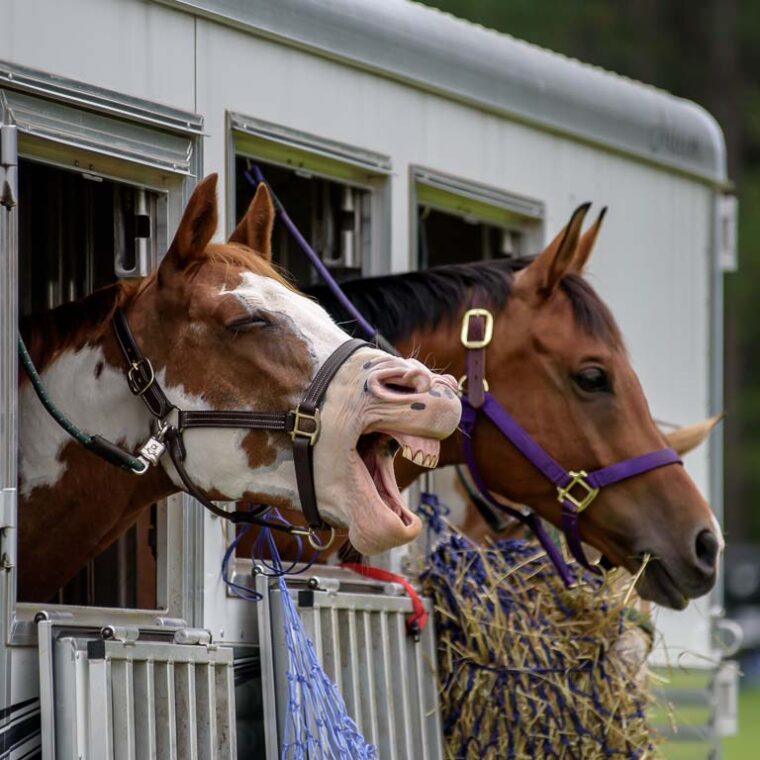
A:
[(593, 380), (250, 322)]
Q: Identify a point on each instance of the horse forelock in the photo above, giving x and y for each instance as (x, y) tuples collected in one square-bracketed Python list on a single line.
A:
[(241, 258), (591, 314)]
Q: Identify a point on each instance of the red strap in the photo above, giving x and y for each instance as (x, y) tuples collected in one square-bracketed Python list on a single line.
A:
[(415, 621)]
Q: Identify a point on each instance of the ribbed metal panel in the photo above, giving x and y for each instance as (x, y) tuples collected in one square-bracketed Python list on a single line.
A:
[(137, 700), (387, 680)]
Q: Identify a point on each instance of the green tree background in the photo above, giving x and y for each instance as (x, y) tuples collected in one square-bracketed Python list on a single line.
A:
[(707, 51)]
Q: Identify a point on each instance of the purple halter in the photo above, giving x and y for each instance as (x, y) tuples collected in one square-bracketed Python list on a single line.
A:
[(475, 337), (476, 399)]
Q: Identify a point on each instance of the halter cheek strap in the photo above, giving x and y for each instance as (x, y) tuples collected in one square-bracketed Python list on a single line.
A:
[(575, 490), (303, 424)]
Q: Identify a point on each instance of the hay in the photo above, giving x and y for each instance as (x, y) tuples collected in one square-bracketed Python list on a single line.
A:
[(529, 669)]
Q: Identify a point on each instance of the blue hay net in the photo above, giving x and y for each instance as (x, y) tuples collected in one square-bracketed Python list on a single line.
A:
[(317, 724)]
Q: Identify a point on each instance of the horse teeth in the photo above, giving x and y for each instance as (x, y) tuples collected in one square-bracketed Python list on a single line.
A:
[(434, 463), (419, 458), (407, 453)]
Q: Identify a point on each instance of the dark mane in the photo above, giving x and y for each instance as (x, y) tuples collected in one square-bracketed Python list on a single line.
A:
[(399, 304), (73, 324)]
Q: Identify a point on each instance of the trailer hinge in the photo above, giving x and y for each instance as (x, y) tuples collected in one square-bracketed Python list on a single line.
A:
[(199, 636), (7, 509), (8, 165), (728, 258)]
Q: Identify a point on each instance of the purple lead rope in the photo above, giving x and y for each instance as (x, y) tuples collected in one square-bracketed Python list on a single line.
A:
[(316, 262)]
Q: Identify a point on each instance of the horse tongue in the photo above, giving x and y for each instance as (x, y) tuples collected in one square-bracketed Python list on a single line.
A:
[(422, 451)]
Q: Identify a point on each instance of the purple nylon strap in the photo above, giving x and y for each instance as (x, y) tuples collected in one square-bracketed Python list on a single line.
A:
[(369, 331), (554, 472), (531, 519)]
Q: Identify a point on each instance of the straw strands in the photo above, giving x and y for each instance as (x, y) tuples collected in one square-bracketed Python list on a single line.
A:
[(529, 669)]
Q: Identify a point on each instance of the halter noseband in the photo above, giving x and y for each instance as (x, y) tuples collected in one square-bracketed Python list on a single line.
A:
[(576, 491), (302, 423)]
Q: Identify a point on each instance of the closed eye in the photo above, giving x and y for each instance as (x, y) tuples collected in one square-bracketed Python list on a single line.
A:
[(249, 322)]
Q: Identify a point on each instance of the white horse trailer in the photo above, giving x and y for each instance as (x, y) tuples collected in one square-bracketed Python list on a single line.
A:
[(399, 137)]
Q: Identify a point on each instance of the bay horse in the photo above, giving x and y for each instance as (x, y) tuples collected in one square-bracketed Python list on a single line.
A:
[(557, 361), (224, 331)]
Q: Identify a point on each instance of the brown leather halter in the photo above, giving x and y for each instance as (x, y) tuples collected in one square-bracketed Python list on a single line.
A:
[(302, 423)]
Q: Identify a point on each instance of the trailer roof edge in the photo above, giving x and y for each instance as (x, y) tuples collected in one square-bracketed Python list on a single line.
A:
[(469, 63)]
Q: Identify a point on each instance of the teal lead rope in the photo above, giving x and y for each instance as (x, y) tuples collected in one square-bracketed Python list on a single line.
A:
[(94, 443)]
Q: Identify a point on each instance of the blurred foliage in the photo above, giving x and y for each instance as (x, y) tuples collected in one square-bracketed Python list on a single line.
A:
[(709, 52)]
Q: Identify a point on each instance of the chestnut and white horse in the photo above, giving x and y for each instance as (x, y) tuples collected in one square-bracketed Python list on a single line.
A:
[(224, 331)]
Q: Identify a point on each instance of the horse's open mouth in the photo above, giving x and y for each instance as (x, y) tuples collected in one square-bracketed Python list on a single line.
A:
[(377, 452)]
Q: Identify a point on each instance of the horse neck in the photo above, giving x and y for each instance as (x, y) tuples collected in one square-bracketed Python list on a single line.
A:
[(72, 503)]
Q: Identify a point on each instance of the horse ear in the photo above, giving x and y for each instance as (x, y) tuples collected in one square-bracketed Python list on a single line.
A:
[(196, 228), (586, 243), (255, 228), (556, 260), (684, 439)]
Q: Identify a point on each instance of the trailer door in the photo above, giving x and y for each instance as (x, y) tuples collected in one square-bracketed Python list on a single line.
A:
[(8, 323)]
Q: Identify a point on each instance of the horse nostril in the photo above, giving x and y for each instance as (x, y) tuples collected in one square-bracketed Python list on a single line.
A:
[(707, 548), (398, 388), (404, 383)]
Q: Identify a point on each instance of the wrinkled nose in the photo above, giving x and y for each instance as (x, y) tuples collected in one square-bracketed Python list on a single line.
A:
[(394, 382), (706, 550)]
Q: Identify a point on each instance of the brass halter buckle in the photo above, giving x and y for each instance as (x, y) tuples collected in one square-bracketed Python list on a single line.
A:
[(140, 376), (487, 333), (312, 537), (314, 425), (578, 479), (463, 384)]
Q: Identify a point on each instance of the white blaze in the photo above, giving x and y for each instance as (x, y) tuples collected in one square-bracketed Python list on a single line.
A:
[(101, 405), (305, 317)]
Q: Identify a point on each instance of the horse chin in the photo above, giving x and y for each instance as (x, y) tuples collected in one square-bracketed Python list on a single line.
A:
[(657, 585)]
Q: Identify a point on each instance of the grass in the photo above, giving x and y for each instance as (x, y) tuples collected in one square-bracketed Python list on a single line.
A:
[(746, 745)]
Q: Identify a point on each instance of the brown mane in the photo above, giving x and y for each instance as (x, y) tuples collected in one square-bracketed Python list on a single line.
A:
[(72, 325)]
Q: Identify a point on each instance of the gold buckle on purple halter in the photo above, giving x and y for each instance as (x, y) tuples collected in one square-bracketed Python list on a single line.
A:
[(487, 330), (577, 479), (298, 418)]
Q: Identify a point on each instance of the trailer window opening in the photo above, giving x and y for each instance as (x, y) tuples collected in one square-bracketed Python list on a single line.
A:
[(449, 238), (78, 233), (332, 215)]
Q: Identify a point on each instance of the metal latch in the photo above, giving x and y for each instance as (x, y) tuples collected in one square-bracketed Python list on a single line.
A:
[(123, 633), (725, 695), (8, 165)]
